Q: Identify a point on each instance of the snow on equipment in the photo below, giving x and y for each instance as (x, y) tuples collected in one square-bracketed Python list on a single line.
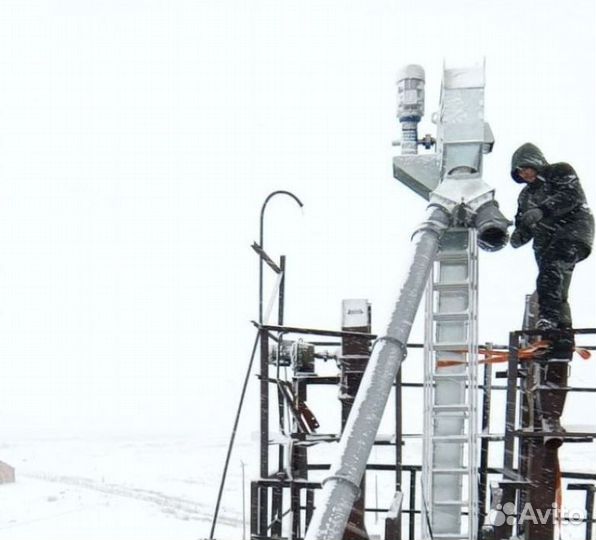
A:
[(455, 477)]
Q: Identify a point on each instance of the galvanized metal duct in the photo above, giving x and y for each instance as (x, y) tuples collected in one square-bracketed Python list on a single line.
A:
[(341, 487)]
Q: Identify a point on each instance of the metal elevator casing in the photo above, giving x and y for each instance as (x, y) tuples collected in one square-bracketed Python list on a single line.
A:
[(449, 472), (449, 468)]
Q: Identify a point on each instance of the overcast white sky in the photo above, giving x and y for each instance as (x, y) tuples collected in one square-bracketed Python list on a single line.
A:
[(138, 140)]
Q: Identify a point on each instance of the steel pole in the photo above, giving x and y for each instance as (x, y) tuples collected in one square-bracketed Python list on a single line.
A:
[(262, 239), (341, 487), (242, 464)]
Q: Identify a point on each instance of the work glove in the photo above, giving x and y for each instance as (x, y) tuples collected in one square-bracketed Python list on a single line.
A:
[(518, 239), (531, 217)]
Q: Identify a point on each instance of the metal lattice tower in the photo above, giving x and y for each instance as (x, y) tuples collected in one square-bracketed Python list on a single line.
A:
[(449, 473)]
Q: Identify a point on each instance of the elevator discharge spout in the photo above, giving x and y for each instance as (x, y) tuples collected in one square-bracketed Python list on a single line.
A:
[(451, 180)]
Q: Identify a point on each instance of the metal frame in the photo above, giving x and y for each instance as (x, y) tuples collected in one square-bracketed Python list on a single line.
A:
[(510, 484), (274, 489), (270, 492), (519, 479)]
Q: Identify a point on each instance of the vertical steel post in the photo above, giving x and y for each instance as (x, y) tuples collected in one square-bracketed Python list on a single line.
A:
[(264, 450), (398, 431), (353, 360), (262, 508), (280, 322), (511, 405), (254, 509), (529, 376), (295, 504), (589, 513), (276, 510), (282, 291), (412, 508), (484, 446), (504, 531), (310, 503), (541, 473), (242, 464)]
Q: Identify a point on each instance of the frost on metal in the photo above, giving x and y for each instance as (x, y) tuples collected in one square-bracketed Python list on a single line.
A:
[(420, 173), (473, 192), (468, 77), (341, 487), (451, 180)]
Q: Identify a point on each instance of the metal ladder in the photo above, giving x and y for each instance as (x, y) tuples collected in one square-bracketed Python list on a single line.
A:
[(449, 469)]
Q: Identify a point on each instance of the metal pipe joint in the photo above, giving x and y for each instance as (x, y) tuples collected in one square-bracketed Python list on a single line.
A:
[(492, 226), (438, 220)]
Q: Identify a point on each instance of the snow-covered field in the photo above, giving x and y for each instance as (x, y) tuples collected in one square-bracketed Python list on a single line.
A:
[(94, 489), (156, 488)]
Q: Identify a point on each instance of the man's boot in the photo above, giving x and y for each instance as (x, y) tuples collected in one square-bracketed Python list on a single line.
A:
[(553, 399)]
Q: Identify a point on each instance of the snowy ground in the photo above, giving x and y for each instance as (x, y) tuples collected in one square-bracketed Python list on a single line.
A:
[(158, 488), (150, 489)]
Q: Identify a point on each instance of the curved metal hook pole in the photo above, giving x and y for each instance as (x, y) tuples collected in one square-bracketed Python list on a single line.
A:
[(250, 363), (261, 240)]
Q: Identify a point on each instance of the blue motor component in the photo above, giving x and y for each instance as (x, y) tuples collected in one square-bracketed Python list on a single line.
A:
[(410, 105)]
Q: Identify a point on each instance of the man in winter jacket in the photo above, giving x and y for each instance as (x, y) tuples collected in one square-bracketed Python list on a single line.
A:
[(552, 210)]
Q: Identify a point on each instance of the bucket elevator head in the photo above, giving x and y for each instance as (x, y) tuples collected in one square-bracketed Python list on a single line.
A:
[(451, 177)]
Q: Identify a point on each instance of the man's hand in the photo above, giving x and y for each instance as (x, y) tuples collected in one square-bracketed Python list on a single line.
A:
[(531, 217), (517, 239)]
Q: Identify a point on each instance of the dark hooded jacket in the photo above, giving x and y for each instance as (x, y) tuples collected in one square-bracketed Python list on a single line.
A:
[(558, 193)]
